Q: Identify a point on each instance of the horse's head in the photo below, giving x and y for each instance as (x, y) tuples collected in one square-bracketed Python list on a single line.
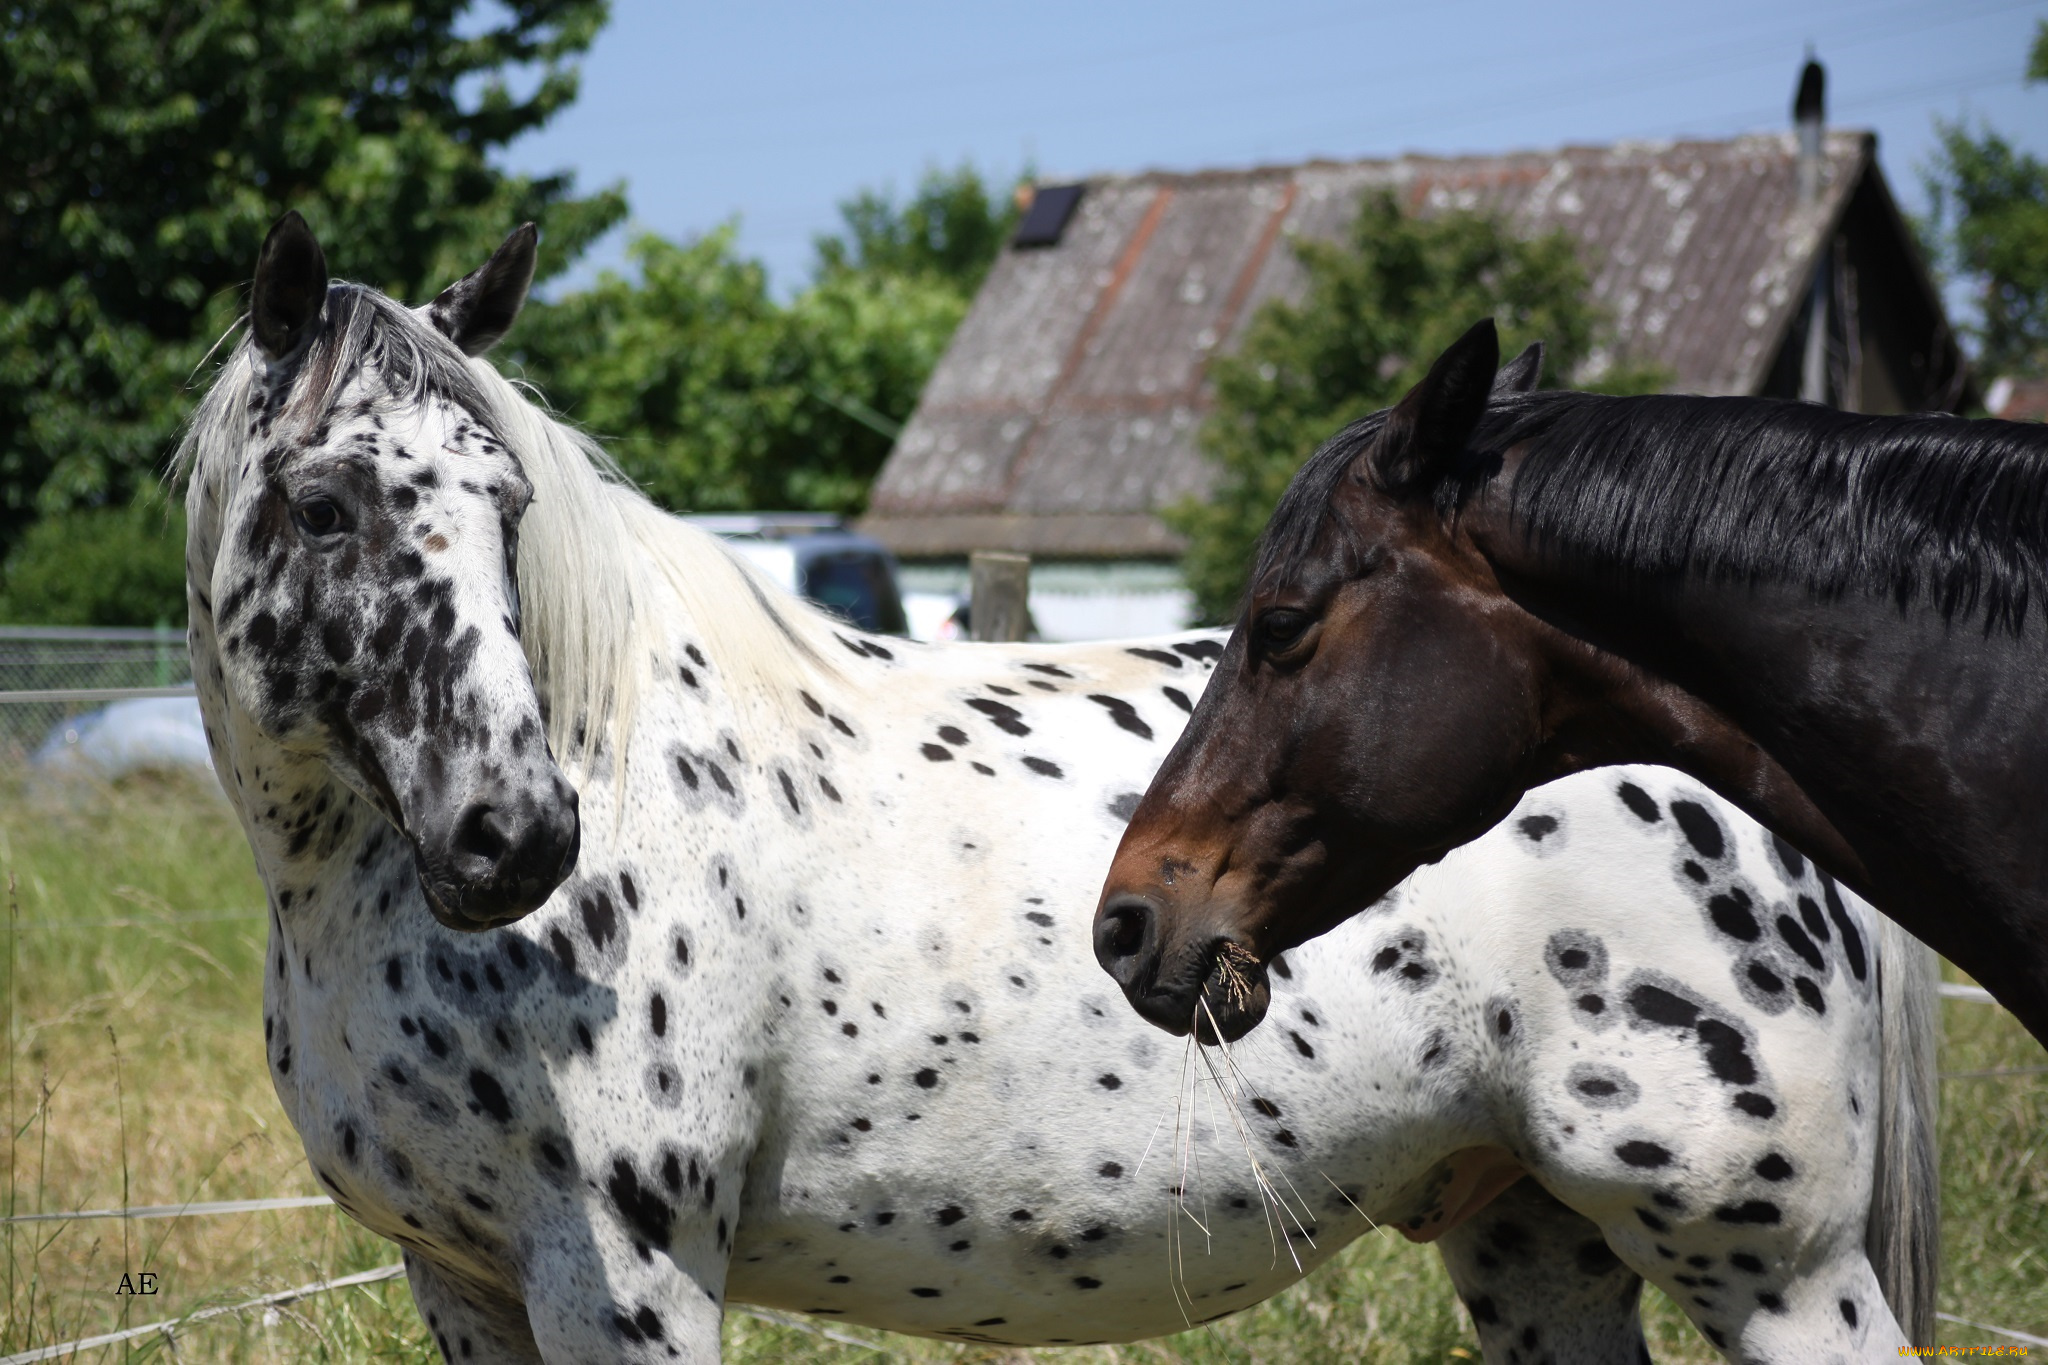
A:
[(354, 538), (1315, 774)]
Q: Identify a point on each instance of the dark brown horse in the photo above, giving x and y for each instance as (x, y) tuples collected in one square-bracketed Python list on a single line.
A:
[(1837, 621)]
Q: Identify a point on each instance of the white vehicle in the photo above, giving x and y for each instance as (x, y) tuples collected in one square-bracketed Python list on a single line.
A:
[(814, 555), (136, 735)]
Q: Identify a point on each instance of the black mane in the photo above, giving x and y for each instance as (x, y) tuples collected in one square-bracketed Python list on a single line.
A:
[(1762, 490), (1755, 490)]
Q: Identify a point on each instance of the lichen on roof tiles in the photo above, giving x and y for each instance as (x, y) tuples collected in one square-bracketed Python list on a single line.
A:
[(1077, 384)]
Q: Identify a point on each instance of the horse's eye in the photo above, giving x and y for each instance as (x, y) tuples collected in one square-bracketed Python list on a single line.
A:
[(1281, 627), (318, 517)]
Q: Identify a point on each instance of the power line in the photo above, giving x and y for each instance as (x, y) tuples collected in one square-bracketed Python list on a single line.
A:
[(1989, 78), (1711, 61), (1616, 78)]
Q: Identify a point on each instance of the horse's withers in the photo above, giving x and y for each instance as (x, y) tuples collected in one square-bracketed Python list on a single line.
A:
[(358, 597)]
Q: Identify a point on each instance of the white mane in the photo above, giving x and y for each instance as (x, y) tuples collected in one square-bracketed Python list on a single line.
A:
[(604, 576), (610, 586)]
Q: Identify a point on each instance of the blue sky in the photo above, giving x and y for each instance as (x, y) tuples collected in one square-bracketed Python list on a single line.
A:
[(772, 112)]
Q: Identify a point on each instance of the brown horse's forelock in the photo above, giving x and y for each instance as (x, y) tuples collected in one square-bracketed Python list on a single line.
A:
[(1291, 536)]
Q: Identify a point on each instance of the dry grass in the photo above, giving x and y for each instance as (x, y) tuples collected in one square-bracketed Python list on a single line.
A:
[(1994, 1176), (189, 1114), (107, 961)]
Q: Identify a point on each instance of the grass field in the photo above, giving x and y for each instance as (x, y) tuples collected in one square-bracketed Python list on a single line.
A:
[(135, 1074)]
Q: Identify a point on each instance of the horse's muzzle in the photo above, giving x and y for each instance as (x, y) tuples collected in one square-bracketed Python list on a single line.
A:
[(1215, 988), (500, 859)]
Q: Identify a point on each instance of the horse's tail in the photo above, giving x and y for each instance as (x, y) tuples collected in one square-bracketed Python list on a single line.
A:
[(1903, 1236)]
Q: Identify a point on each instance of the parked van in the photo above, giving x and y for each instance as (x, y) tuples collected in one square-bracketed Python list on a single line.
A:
[(815, 556)]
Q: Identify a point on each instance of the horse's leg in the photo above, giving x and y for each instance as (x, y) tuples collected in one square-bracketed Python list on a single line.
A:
[(1779, 1299), (597, 1293), (1838, 1314), (1541, 1284), (1765, 1279), (469, 1325)]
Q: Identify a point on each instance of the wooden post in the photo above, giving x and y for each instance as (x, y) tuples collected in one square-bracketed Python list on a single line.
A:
[(1000, 605)]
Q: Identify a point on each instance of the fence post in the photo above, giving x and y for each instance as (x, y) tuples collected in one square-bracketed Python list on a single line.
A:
[(999, 608), (163, 653)]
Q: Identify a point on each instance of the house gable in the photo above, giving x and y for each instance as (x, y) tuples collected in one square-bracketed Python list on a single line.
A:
[(1065, 413)]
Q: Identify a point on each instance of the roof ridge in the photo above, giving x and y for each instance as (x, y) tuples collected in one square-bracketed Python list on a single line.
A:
[(1841, 141)]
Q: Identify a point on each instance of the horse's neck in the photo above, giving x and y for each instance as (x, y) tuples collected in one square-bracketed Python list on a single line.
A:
[(1893, 747), (1841, 691)]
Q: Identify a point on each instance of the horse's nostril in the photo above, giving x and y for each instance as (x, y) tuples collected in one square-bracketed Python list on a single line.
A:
[(481, 833), (1123, 931), (1126, 933)]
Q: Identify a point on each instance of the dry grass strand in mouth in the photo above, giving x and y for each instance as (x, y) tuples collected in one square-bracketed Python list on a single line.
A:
[(1236, 1091), (1232, 975), (1201, 1078)]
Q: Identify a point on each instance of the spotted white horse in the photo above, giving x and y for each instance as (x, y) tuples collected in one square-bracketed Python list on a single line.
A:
[(788, 999)]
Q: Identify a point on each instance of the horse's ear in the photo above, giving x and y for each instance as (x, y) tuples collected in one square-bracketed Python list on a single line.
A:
[(1428, 429), (1520, 374), (478, 309), (290, 288)]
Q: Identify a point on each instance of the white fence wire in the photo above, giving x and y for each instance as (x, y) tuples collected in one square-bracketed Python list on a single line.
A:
[(168, 1328), (218, 1206), (2030, 1339)]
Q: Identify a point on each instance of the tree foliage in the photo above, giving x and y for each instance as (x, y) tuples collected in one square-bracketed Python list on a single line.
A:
[(715, 396), (951, 230), (1989, 224), (1378, 308), (101, 566), (147, 145)]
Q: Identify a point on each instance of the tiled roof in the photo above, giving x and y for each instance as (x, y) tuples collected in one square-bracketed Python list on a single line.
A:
[(1065, 411), (2018, 400)]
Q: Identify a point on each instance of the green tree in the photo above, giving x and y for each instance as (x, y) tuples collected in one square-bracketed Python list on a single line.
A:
[(147, 145), (1988, 224), (951, 228), (1378, 308), (714, 396), (100, 566)]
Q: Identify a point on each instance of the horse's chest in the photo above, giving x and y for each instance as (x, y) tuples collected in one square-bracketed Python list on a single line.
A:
[(418, 1118)]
